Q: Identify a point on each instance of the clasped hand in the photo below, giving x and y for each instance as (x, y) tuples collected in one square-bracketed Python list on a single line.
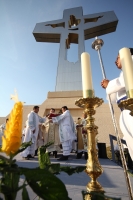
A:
[(104, 83)]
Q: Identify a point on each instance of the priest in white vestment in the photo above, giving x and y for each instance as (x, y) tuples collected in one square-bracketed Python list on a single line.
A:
[(67, 132), (31, 132), (116, 89), (51, 134)]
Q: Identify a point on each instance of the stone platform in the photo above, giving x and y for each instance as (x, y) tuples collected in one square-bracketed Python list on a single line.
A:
[(112, 179)]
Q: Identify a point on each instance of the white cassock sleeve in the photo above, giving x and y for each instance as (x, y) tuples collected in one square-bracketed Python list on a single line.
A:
[(42, 119), (60, 117), (115, 86)]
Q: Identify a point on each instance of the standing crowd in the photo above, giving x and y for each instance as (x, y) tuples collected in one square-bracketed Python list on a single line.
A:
[(59, 129)]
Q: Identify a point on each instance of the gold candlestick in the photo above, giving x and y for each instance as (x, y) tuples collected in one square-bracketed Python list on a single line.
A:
[(93, 167)]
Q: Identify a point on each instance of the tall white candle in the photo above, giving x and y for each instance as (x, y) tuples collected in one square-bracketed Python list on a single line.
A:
[(127, 68), (86, 75)]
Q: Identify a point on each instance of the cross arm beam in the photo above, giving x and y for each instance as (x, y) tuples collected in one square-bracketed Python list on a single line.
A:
[(48, 31), (106, 23)]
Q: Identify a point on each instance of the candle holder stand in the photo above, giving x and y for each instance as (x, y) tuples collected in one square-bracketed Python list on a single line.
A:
[(93, 167), (127, 104)]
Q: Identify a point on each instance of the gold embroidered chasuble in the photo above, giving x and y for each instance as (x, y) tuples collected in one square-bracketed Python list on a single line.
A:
[(51, 134)]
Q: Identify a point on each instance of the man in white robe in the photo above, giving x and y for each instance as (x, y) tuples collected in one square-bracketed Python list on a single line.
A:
[(31, 132), (66, 131), (116, 89)]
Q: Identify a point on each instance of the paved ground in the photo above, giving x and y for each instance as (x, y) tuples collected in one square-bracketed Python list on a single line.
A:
[(112, 179)]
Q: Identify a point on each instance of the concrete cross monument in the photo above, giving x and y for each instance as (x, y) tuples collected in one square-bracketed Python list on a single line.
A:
[(73, 28)]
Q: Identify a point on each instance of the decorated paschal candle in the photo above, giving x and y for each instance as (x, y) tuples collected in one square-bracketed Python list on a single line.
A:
[(11, 140), (86, 76), (127, 68)]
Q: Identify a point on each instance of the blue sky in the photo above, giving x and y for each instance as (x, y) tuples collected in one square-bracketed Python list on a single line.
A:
[(31, 67)]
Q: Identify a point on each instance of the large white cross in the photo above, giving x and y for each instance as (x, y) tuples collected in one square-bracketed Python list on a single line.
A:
[(73, 28)]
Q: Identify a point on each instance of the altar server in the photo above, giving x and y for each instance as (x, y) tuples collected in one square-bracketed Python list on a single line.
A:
[(116, 89)]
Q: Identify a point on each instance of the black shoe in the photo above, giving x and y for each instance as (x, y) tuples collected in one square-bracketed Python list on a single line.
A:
[(30, 156), (79, 155), (55, 154), (49, 153), (63, 158), (85, 155), (36, 152)]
